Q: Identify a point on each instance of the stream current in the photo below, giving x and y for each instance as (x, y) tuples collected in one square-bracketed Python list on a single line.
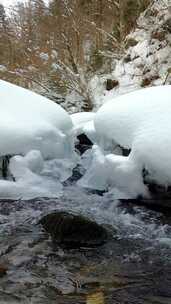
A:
[(133, 267)]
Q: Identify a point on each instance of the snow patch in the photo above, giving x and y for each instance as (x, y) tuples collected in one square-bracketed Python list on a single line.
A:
[(44, 56), (3, 68)]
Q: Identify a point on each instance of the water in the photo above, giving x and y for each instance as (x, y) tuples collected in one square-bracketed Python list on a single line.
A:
[(133, 267)]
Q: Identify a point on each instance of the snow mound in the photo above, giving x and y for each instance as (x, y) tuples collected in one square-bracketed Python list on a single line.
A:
[(141, 121), (29, 121), (122, 118), (36, 134)]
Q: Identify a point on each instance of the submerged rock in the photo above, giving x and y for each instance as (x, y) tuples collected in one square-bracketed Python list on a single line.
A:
[(74, 231)]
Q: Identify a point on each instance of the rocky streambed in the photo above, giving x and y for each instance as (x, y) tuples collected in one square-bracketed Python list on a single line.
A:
[(132, 266)]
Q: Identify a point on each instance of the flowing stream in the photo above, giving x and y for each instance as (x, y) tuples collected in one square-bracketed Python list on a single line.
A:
[(133, 267)]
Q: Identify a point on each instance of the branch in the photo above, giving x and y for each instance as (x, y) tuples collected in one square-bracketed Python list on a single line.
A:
[(29, 78)]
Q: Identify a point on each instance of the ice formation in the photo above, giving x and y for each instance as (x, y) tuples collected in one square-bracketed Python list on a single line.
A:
[(30, 179), (84, 124)]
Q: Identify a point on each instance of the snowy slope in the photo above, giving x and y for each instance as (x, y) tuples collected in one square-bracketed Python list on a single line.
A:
[(147, 59)]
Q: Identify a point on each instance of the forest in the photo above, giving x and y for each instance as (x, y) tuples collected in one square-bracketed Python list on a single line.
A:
[(57, 48)]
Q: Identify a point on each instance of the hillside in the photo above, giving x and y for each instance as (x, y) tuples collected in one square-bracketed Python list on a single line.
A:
[(146, 61)]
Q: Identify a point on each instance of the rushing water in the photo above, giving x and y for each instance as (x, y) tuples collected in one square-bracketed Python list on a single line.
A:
[(133, 267)]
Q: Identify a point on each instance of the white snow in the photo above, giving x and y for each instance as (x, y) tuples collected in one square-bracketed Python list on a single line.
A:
[(38, 134), (29, 183), (81, 120), (122, 117), (141, 121), (29, 121), (44, 56), (54, 54), (3, 68), (84, 124), (96, 175), (55, 66)]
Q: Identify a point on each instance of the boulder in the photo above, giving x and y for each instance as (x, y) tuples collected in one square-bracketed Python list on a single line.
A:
[(73, 231)]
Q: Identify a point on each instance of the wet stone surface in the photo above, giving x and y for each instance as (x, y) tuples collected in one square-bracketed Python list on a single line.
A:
[(133, 267), (74, 231)]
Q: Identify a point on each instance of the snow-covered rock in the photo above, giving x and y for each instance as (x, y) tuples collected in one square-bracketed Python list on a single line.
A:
[(121, 118), (37, 133), (29, 121), (139, 121)]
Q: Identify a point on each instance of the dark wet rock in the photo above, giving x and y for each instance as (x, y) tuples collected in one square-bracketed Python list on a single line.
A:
[(125, 152), (127, 58), (3, 270), (156, 204), (111, 84), (160, 196), (148, 80), (159, 35), (4, 166), (131, 42), (167, 25), (83, 144), (74, 231), (95, 191), (159, 191), (76, 175)]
